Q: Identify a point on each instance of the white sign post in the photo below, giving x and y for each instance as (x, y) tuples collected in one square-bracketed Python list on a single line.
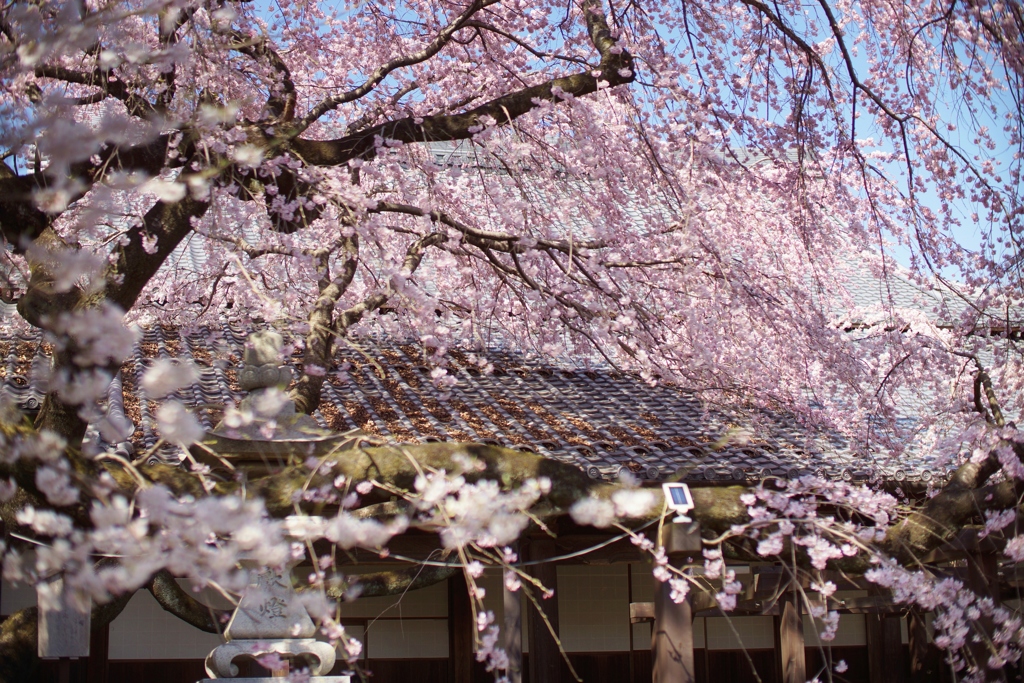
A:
[(63, 628)]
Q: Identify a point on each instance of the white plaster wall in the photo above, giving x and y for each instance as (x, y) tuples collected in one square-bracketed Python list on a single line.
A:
[(851, 631), (593, 612), (642, 635), (145, 631), (736, 633), (431, 601), (593, 608), (406, 626), (643, 582)]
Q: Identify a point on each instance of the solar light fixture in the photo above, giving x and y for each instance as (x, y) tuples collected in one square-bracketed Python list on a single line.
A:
[(679, 499)]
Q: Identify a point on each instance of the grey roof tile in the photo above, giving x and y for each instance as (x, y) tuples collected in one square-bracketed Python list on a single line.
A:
[(599, 420)]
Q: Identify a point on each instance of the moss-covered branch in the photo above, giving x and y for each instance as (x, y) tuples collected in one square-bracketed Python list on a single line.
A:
[(175, 600), (394, 582)]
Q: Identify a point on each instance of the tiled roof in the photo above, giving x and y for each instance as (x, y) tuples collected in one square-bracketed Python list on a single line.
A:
[(602, 421), (870, 288)]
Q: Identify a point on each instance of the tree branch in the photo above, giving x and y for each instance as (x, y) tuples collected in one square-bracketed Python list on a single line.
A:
[(432, 48), (488, 238), (107, 83), (412, 261), (170, 222), (615, 68), (320, 338), (280, 104), (394, 582), (174, 599)]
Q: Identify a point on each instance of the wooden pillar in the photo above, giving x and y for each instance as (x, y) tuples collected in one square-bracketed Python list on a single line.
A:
[(672, 631), (885, 648), (672, 638), (545, 658), (460, 631), (925, 659), (513, 628), (789, 639), (98, 664), (885, 644)]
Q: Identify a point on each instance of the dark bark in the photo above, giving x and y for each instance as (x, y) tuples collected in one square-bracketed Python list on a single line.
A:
[(615, 68), (319, 349), (397, 581), (174, 599), (941, 518), (41, 302), (21, 221), (503, 110), (170, 222), (323, 327)]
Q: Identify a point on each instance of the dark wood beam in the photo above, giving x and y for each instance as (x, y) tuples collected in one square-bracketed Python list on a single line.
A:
[(513, 627), (460, 631), (704, 606), (885, 643), (672, 632), (98, 663), (789, 639), (925, 657), (545, 661)]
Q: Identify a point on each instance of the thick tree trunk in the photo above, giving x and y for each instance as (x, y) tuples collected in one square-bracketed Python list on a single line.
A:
[(320, 338)]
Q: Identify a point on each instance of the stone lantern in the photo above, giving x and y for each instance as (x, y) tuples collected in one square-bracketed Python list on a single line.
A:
[(266, 432), (270, 619)]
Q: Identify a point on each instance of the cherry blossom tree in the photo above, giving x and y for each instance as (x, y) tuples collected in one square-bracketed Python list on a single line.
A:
[(678, 190)]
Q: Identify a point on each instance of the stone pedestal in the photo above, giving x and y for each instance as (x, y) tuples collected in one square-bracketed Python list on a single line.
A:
[(220, 663), (269, 620), (271, 679)]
